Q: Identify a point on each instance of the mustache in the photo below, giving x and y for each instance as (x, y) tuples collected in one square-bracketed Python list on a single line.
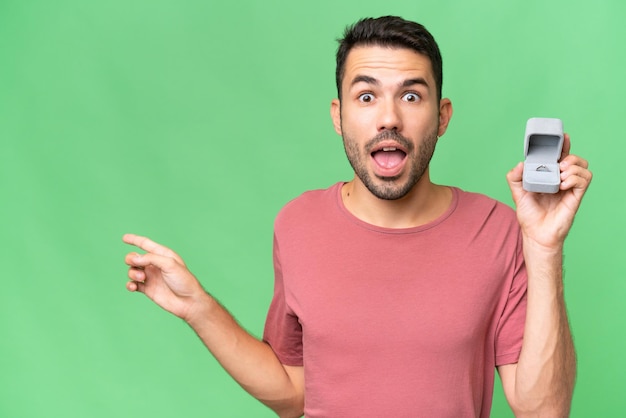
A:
[(389, 135)]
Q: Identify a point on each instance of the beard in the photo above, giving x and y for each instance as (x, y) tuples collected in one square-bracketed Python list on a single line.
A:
[(389, 188)]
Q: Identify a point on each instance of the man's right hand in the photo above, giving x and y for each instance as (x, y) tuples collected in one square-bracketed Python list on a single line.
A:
[(162, 275)]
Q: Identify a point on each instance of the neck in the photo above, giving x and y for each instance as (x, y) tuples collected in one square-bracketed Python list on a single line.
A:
[(423, 204)]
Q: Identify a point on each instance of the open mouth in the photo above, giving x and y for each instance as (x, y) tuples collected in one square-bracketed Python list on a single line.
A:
[(388, 157)]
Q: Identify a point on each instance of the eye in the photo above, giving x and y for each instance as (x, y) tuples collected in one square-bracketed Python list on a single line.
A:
[(366, 98), (411, 97)]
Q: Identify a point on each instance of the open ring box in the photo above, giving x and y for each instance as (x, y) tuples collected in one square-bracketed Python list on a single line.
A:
[(542, 149)]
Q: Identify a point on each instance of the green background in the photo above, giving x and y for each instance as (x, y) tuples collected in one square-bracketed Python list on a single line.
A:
[(193, 122)]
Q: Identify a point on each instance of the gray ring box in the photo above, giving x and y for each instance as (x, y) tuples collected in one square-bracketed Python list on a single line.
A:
[(543, 144)]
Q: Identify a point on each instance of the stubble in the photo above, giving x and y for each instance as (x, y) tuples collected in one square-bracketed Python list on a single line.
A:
[(390, 188)]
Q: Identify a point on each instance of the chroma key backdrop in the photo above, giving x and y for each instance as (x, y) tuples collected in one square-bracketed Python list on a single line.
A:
[(194, 122)]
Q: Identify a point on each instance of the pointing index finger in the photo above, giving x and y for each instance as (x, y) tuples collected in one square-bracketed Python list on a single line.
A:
[(150, 246)]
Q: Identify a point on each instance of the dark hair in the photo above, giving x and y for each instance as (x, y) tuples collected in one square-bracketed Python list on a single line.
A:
[(389, 31)]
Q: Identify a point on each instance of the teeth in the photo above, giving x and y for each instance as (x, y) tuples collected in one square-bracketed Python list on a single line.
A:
[(389, 148)]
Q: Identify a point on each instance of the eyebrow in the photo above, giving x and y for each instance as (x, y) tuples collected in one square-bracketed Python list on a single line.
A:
[(364, 79), (371, 80), (414, 81)]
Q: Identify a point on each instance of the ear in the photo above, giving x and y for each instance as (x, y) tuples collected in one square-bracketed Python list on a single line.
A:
[(445, 114), (335, 114)]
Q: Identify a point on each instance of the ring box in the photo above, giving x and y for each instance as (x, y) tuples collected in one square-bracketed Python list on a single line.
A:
[(543, 144)]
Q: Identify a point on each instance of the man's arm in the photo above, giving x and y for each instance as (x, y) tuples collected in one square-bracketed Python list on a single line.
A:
[(162, 276), (542, 382)]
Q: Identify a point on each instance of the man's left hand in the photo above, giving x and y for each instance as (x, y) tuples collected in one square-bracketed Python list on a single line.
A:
[(547, 218)]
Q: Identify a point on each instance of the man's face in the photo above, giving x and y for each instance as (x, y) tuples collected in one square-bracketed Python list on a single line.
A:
[(389, 117)]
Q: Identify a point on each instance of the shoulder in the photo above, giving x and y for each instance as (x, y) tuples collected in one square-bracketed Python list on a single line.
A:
[(484, 212), (309, 206), (487, 225), (471, 203)]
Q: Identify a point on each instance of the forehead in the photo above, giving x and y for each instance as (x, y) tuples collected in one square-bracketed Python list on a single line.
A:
[(386, 61)]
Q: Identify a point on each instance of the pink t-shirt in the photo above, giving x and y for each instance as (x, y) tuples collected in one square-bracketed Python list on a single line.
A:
[(397, 322)]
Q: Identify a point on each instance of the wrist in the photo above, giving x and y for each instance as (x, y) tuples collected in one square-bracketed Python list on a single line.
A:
[(544, 264), (200, 308), (547, 247)]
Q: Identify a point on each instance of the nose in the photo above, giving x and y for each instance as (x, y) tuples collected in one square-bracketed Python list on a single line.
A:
[(389, 117)]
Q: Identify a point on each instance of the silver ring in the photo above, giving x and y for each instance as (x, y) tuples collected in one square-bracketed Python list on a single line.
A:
[(542, 168)]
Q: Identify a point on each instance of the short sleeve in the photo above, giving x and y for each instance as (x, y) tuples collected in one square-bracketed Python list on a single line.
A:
[(283, 331), (510, 330)]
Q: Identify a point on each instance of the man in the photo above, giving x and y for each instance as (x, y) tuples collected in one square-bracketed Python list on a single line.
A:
[(395, 296)]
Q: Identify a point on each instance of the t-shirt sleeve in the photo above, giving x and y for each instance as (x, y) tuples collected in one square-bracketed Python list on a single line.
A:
[(510, 331), (283, 331)]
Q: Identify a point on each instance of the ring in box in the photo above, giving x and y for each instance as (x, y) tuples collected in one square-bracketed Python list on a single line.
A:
[(543, 144)]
